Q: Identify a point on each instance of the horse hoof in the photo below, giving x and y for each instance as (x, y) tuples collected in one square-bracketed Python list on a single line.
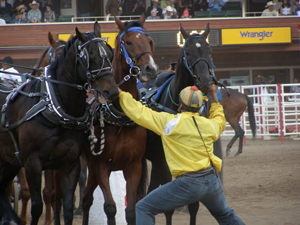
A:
[(237, 154), (228, 152)]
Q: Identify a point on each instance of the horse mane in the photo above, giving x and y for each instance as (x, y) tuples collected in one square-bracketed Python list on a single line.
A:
[(39, 61), (58, 63)]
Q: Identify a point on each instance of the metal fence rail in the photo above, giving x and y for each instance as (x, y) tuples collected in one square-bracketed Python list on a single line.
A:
[(277, 111)]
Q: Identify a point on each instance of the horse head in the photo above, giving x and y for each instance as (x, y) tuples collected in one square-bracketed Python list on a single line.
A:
[(136, 49), (196, 59), (96, 55)]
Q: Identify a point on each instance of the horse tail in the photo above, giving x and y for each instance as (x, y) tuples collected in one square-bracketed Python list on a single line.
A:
[(142, 188), (251, 116)]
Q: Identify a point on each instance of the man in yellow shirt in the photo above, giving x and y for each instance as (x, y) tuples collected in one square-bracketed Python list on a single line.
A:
[(188, 145)]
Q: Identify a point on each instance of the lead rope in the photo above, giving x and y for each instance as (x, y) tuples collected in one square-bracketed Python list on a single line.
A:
[(93, 139), (204, 144)]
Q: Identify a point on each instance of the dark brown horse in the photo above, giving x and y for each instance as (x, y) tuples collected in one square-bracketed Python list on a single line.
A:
[(235, 104), (43, 123), (194, 67), (48, 57), (125, 142)]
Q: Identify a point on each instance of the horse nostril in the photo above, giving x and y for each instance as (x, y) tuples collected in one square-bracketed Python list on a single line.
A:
[(148, 69), (106, 93)]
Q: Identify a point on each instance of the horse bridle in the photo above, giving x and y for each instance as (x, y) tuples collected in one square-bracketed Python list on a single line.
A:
[(52, 53), (131, 61), (211, 66), (83, 58)]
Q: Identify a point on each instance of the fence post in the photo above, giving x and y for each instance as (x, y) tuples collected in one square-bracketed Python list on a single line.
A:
[(280, 111)]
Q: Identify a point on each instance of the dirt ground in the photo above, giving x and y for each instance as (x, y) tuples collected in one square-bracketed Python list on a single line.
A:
[(261, 185)]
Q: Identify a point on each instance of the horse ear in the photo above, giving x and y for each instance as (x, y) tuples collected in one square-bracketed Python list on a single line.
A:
[(184, 33), (152, 45), (206, 32), (97, 29), (142, 19), (119, 23), (51, 39), (79, 35)]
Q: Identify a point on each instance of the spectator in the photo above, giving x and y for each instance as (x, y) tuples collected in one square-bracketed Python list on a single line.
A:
[(153, 16), (2, 22), (5, 8), (296, 9), (215, 5), (141, 7), (156, 8), (9, 78), (200, 5), (22, 9), (285, 8), (270, 10), (169, 3), (169, 13), (165, 3), (129, 7), (34, 15), (295, 88), (187, 12), (53, 5), (19, 18), (184, 5), (112, 8), (49, 15), (17, 4)]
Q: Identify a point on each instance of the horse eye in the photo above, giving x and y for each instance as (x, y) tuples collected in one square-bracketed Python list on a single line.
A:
[(150, 42), (128, 43)]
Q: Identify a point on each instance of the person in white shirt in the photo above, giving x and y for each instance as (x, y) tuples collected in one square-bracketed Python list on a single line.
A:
[(9, 78), (270, 10)]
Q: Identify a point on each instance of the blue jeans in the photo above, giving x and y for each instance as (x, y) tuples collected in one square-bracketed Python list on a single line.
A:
[(186, 189)]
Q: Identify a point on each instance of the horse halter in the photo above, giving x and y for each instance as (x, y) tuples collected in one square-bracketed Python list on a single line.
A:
[(84, 56), (211, 65), (131, 61), (52, 53)]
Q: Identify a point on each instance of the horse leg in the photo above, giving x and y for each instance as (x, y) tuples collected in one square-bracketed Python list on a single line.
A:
[(110, 208), (47, 195), (132, 175), (33, 170), (160, 174), (235, 125), (87, 199), (193, 209), (7, 173), (240, 133), (56, 197), (24, 195), (69, 178), (82, 184)]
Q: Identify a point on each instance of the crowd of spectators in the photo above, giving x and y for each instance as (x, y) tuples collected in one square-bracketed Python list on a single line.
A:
[(24, 11), (28, 11)]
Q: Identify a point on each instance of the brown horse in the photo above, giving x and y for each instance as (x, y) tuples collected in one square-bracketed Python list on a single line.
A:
[(234, 105), (125, 142), (43, 123), (48, 57)]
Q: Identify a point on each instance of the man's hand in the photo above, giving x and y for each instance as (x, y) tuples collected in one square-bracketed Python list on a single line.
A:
[(213, 93)]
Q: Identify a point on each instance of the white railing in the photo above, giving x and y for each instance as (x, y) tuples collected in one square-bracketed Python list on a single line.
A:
[(277, 112)]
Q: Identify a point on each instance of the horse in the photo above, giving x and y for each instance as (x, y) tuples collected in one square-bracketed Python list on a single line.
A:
[(234, 105), (194, 67), (45, 119), (47, 57), (125, 142)]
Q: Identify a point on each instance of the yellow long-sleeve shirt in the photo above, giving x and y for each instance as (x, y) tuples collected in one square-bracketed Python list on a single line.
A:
[(183, 147)]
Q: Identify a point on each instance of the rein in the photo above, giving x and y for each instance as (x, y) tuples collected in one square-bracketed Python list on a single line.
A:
[(129, 60)]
